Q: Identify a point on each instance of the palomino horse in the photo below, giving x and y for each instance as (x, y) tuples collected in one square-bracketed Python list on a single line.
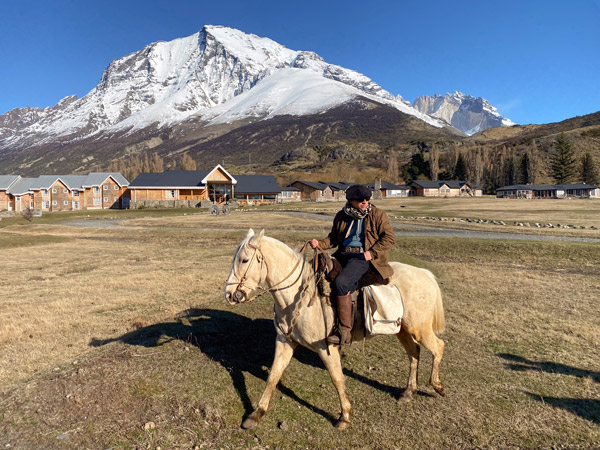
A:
[(301, 317)]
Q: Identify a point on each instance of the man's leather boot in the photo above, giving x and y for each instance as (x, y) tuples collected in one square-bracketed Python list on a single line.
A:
[(343, 333)]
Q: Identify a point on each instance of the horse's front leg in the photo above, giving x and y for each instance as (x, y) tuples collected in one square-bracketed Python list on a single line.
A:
[(283, 354), (333, 363)]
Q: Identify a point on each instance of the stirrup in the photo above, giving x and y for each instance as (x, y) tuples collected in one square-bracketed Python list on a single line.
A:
[(339, 337)]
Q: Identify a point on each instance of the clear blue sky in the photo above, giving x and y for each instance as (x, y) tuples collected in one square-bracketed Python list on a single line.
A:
[(536, 61)]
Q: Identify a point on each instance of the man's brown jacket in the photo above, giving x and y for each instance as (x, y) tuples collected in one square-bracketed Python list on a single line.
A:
[(379, 238)]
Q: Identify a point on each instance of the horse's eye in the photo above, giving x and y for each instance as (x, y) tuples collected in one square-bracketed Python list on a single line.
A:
[(244, 261)]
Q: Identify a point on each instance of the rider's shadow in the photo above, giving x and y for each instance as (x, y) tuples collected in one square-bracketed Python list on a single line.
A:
[(241, 345)]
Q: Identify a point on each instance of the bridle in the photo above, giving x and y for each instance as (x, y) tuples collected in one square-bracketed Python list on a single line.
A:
[(239, 295)]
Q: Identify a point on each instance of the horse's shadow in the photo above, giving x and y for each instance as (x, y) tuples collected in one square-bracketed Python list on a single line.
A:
[(587, 408), (518, 363), (240, 344)]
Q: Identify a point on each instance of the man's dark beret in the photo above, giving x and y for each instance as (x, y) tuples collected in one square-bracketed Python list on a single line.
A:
[(358, 192)]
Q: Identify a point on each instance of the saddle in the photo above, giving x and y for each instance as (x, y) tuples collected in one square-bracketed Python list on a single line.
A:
[(327, 269)]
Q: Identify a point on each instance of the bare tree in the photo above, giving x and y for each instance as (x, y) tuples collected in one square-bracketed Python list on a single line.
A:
[(28, 214), (146, 164), (187, 162), (157, 164), (392, 169), (434, 162)]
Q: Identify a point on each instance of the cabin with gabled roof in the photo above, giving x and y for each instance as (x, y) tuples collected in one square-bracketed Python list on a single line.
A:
[(201, 188)]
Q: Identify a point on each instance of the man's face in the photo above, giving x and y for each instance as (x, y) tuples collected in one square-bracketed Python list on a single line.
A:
[(360, 204)]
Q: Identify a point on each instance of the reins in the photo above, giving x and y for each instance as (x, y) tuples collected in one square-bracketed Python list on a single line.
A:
[(274, 288)]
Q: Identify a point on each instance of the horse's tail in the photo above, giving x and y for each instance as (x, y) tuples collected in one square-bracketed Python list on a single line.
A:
[(438, 322)]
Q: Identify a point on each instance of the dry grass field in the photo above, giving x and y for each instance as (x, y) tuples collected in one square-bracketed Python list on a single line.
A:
[(118, 337)]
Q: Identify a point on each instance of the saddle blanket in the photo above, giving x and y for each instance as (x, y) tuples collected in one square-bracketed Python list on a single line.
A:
[(384, 308)]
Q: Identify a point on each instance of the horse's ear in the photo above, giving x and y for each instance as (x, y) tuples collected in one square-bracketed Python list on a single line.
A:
[(255, 240), (250, 233)]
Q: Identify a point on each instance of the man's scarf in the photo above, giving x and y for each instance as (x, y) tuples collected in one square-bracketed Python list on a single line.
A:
[(356, 213)]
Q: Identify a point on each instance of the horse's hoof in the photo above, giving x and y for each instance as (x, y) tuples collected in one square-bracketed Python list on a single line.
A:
[(249, 424), (406, 397), (439, 388), (342, 424)]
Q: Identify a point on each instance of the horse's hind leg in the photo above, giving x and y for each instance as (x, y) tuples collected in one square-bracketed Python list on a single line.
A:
[(436, 346), (413, 351), (283, 354), (333, 364)]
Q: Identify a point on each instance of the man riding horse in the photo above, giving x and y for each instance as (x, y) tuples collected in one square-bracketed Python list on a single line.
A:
[(363, 236)]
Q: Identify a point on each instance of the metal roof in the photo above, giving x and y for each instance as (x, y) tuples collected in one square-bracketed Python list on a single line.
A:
[(389, 186), (97, 178), (429, 184), (322, 185), (171, 178), (7, 180), (256, 184), (23, 186)]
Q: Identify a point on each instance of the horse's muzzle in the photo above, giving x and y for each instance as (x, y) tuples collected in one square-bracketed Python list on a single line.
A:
[(235, 298)]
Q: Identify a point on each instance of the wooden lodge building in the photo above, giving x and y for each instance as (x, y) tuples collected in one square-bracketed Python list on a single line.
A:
[(97, 190), (201, 188), (549, 191)]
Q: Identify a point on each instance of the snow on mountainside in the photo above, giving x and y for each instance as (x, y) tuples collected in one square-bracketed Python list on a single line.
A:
[(464, 112), (218, 74)]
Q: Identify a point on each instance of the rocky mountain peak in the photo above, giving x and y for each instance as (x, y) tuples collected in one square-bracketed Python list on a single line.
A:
[(464, 112)]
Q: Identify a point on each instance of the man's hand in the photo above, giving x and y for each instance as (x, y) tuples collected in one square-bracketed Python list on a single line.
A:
[(314, 243), (368, 256)]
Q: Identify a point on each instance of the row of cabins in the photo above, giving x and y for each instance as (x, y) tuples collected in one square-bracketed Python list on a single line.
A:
[(97, 190), (325, 191), (101, 190), (549, 191)]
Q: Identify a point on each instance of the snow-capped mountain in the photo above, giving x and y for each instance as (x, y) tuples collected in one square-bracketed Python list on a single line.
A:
[(218, 75), (464, 112)]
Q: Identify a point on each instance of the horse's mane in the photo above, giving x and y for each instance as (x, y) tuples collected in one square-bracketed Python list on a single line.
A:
[(308, 276)]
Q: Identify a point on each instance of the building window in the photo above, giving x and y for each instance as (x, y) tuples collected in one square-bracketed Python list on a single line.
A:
[(66, 202), (116, 199), (18, 199), (96, 202), (54, 190), (65, 190), (31, 196), (75, 193), (116, 187), (54, 203), (96, 190), (46, 205), (105, 187), (105, 199), (169, 194), (31, 205), (75, 205), (45, 192)]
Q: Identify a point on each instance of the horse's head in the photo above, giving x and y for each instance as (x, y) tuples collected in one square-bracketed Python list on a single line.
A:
[(247, 269)]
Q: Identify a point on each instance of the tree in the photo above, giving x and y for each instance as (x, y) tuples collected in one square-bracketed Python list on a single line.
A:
[(434, 162), (392, 169), (525, 176), (157, 165), (415, 167), (460, 169), (146, 164), (563, 161), (187, 162), (589, 172), (509, 172)]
